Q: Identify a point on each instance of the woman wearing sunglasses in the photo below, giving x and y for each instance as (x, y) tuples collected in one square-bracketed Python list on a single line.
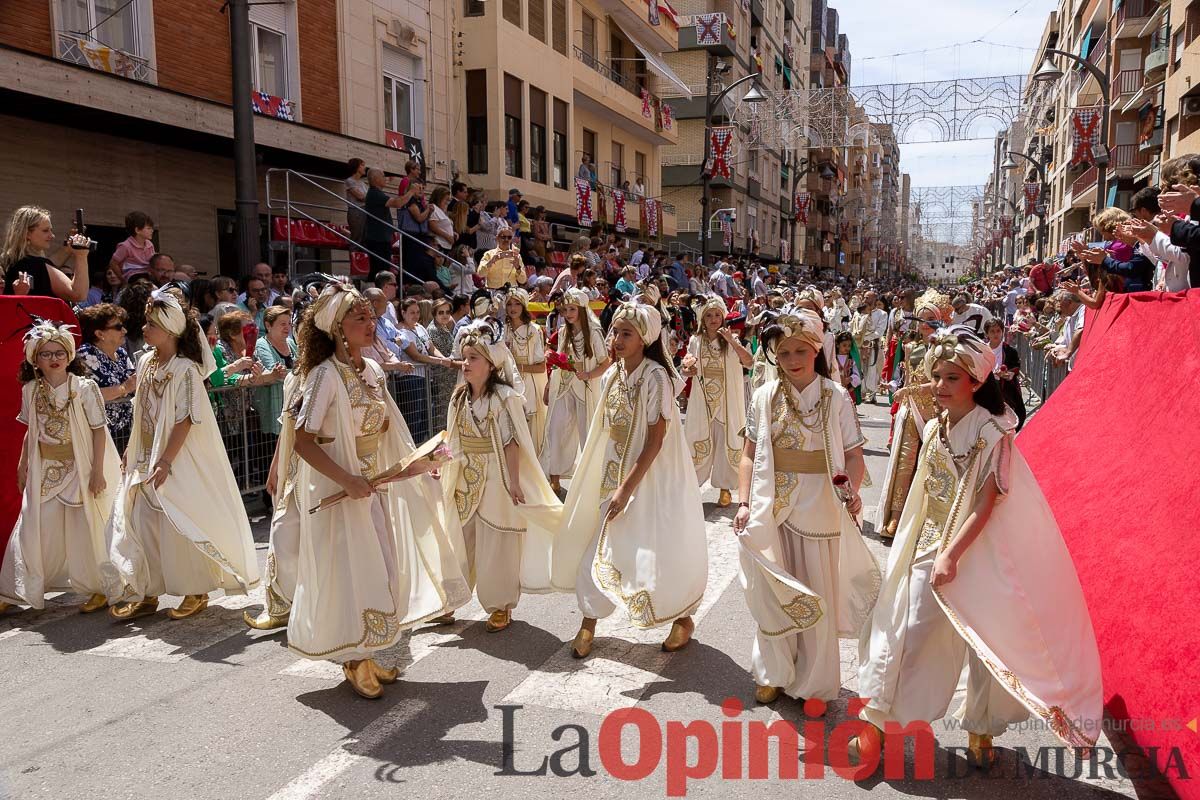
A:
[(103, 353)]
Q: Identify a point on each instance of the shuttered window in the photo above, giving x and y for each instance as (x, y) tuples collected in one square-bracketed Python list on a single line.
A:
[(558, 13), (512, 11), (537, 19)]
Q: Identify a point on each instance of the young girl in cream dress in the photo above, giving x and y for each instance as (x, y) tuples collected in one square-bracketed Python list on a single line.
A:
[(526, 341)]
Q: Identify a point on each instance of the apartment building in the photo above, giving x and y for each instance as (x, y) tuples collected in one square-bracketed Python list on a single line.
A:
[(541, 83), (113, 107)]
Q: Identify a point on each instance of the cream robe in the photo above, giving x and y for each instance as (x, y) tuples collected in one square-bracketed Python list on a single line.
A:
[(653, 558), (572, 403), (368, 568), (528, 347), (1015, 606), (70, 531), (508, 545), (916, 409), (199, 500), (283, 549), (716, 414), (808, 576)]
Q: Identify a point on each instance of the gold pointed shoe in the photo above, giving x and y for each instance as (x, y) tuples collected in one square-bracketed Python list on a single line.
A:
[(765, 695), (979, 745), (444, 619), (680, 635), (265, 621), (94, 603), (582, 646), (134, 609), (361, 677), (725, 499), (889, 532), (384, 674), (191, 605), (498, 621)]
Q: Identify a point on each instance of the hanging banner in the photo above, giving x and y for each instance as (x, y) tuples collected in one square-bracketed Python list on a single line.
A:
[(654, 16), (646, 112), (650, 218), (1031, 192), (801, 202), (726, 232), (619, 211), (583, 202), (271, 106), (1006, 226), (1085, 135), (708, 28), (667, 117), (722, 139)]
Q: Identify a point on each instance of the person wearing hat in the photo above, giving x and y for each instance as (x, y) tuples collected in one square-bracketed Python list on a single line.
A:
[(808, 576), (979, 573), (179, 526), (502, 266), (67, 472)]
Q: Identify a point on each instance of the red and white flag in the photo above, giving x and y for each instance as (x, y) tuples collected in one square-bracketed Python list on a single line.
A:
[(619, 211), (722, 139), (667, 117), (708, 28), (646, 111), (583, 202), (801, 203), (1085, 135)]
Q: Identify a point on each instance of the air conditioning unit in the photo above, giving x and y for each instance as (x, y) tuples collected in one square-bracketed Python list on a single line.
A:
[(1191, 106)]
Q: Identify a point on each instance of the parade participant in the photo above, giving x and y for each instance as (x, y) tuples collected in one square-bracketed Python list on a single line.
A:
[(916, 407), (526, 342), (179, 526), (716, 413), (837, 313), (385, 558), (763, 370), (633, 532), (979, 572), (68, 473), (572, 394), (807, 573), (851, 379), (509, 513), (871, 352)]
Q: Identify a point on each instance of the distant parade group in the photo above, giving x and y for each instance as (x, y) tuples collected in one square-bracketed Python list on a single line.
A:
[(582, 479)]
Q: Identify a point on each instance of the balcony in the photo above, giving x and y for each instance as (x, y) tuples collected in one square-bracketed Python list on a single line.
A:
[(606, 89), (789, 9), (1129, 81), (756, 13), (1082, 187), (1155, 65), (1128, 159), (633, 16), (1131, 16), (724, 48), (86, 53)]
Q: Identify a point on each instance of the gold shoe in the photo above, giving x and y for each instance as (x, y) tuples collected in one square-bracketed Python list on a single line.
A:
[(979, 745), (191, 605), (555, 486), (362, 679), (94, 603), (498, 621), (444, 619), (866, 744), (582, 646), (134, 609), (767, 694), (889, 532), (384, 674), (265, 621), (725, 499), (680, 635)]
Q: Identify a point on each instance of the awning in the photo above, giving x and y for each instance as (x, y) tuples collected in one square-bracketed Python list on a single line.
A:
[(658, 65)]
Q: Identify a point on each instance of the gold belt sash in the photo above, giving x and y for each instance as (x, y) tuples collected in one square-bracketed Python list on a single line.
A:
[(805, 462), (619, 433), (717, 373), (531, 369), (365, 445), (475, 444), (56, 452)]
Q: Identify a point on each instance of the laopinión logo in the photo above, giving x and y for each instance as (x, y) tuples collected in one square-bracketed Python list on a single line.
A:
[(738, 750)]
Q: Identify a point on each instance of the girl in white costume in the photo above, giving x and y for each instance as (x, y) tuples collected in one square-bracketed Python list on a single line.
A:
[(978, 573), (385, 558), (633, 532), (810, 298), (527, 343), (68, 475), (178, 525), (716, 410), (508, 511), (572, 397), (807, 573)]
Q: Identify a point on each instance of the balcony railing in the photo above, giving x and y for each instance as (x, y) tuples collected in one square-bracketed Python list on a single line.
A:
[(1084, 182), (1130, 81), (1125, 156), (1096, 55), (1134, 9), (627, 82), (80, 50)]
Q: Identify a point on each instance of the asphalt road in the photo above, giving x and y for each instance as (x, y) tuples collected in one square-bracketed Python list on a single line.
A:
[(204, 708)]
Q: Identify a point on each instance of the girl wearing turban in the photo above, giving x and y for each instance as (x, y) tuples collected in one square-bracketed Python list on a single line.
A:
[(633, 533), (716, 411), (808, 576), (509, 513), (572, 396), (68, 474), (387, 557), (978, 573), (527, 343)]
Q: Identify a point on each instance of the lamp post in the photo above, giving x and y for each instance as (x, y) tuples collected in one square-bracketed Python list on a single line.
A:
[(1009, 164), (1049, 72), (710, 103)]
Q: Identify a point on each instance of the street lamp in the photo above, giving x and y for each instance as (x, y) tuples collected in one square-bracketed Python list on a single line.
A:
[(1009, 164), (1049, 72), (710, 103)]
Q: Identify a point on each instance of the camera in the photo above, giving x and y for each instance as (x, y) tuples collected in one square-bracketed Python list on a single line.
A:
[(81, 229)]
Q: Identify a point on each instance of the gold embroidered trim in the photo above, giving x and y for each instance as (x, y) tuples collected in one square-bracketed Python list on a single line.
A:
[(380, 628)]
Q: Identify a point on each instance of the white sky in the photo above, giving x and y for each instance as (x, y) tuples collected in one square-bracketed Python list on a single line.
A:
[(880, 28)]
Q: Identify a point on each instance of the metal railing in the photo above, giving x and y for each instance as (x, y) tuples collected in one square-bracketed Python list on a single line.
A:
[(1043, 376), (626, 82), (76, 48)]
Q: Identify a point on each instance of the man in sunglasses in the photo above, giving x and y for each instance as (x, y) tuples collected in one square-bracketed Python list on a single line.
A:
[(502, 265)]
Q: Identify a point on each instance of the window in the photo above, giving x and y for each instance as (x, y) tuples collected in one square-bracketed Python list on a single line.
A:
[(111, 22), (618, 158), (589, 36), (537, 19), (558, 14), (270, 61), (477, 121), (512, 11), (397, 105), (514, 157), (639, 165), (589, 145), (537, 135), (1177, 47), (560, 144), (475, 8)]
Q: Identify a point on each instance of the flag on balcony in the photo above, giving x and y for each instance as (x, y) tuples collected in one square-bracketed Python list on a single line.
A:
[(708, 28), (1085, 135), (667, 117), (583, 202), (601, 206), (651, 215), (801, 202), (1031, 192), (1006, 226), (271, 106), (619, 211), (722, 139), (654, 17), (646, 111)]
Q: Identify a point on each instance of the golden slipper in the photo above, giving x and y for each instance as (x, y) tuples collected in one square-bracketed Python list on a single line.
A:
[(94, 603), (362, 679), (384, 674), (725, 499), (867, 743), (191, 605), (979, 745), (582, 646), (680, 635), (134, 609), (498, 621), (444, 619), (766, 694), (265, 621)]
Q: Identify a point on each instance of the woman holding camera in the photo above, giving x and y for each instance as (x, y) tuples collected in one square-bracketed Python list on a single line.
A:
[(27, 269)]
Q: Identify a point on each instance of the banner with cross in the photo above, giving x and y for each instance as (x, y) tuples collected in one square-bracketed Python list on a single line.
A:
[(1031, 192), (801, 202), (646, 110), (1085, 135), (583, 202), (654, 16), (619, 211), (1006, 226), (667, 117), (708, 28), (722, 140), (651, 211)]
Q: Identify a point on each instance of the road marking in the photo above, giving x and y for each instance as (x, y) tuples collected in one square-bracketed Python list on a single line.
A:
[(167, 641)]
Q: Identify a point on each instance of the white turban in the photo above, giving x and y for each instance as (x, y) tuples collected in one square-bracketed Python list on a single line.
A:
[(165, 311), (487, 342), (960, 346), (713, 303), (577, 297), (646, 319), (332, 304), (648, 293), (44, 332), (803, 324)]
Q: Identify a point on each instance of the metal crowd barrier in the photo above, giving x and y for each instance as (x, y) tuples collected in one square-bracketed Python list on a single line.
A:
[(250, 448), (1044, 377)]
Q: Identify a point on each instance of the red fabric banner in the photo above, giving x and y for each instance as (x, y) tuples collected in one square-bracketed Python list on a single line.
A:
[(583, 202), (646, 111), (619, 211), (801, 202), (1085, 135), (722, 138), (1032, 193)]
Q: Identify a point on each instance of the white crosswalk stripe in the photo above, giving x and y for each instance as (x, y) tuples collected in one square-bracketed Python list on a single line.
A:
[(168, 641)]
